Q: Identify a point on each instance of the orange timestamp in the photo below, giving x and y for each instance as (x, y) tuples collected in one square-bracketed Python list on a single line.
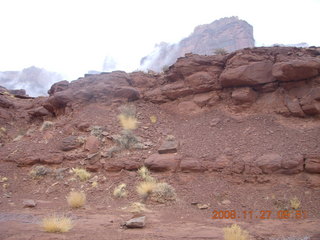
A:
[(262, 214)]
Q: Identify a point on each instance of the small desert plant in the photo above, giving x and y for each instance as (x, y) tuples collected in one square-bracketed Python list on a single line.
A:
[(170, 138), (137, 207), (55, 224), (126, 140), (76, 199), (153, 119), (164, 192), (81, 173), (295, 203), (128, 122), (128, 110), (235, 233), (144, 189), (39, 171), (144, 173), (220, 51), (120, 191), (46, 125)]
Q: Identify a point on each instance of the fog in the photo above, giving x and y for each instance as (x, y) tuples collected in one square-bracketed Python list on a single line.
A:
[(36, 81)]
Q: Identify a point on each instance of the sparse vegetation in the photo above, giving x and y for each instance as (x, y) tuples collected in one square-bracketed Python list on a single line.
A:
[(295, 203), (137, 207), (144, 189), (81, 173), (128, 122), (55, 224), (220, 51), (164, 192), (127, 139), (39, 171), (76, 199), (235, 233), (120, 191), (46, 125), (144, 173), (153, 119), (170, 138)]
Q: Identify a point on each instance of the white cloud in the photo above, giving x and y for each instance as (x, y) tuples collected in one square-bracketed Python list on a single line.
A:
[(72, 37)]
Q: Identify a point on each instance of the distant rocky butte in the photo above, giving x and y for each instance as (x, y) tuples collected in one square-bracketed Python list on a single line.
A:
[(229, 34)]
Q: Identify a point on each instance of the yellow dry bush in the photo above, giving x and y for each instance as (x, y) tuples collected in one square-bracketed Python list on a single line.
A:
[(76, 199), (54, 224), (128, 122), (295, 203), (144, 189), (235, 233), (153, 119), (137, 207), (120, 191), (81, 173), (144, 173)]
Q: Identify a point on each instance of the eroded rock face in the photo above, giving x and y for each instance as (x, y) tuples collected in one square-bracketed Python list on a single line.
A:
[(289, 77), (228, 33)]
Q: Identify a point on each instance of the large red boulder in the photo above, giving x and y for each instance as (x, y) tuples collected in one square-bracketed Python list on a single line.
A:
[(247, 75), (296, 69)]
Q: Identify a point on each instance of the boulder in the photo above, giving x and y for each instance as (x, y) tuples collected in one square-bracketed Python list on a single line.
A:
[(292, 165), (129, 93), (5, 103), (293, 106), (269, 163), (39, 112), (168, 147), (203, 99), (248, 75), (117, 166), (138, 222), (70, 143), (162, 162), (312, 164), (92, 144), (176, 90), (296, 69), (58, 87), (201, 82), (244, 95), (29, 203)]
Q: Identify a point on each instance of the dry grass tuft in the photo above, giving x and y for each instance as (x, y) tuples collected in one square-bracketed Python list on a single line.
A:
[(81, 173), (76, 199), (295, 203), (164, 192), (54, 224), (120, 191), (144, 189), (144, 173), (137, 207), (128, 122), (153, 119), (235, 233)]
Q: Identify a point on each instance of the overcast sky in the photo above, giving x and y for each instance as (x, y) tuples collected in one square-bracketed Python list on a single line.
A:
[(72, 37)]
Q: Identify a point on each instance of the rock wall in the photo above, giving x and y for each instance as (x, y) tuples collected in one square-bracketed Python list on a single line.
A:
[(279, 79)]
